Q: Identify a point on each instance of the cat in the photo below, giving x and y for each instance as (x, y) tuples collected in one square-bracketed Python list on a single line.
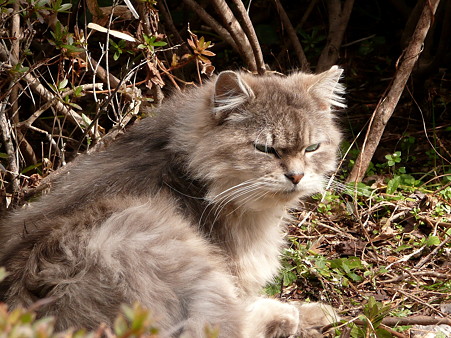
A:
[(185, 213)]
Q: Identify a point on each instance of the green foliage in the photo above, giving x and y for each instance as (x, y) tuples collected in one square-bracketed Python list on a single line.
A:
[(120, 48), (302, 261), (64, 40), (19, 68), (393, 158), (373, 313), (312, 41), (135, 321), (150, 42)]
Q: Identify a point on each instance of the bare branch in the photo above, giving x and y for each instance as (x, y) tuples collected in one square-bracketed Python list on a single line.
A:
[(338, 21), (210, 21), (388, 103), (28, 122), (10, 150), (38, 88), (237, 33), (252, 36), (165, 15), (293, 36)]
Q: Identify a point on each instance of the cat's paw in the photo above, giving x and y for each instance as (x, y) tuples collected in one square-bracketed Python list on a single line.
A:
[(283, 324), (313, 317), (270, 318)]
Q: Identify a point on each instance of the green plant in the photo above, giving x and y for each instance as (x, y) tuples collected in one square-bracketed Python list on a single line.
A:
[(312, 41), (119, 48), (150, 42), (393, 159), (64, 40), (371, 319), (302, 261)]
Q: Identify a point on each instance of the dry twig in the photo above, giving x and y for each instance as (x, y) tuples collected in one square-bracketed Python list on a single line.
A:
[(236, 31), (388, 103), (338, 21), (250, 33), (293, 36), (10, 150), (210, 21)]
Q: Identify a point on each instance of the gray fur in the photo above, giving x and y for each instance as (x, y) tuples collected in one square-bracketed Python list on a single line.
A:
[(183, 213)]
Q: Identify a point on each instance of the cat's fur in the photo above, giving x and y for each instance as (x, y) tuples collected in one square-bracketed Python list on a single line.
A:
[(184, 213)]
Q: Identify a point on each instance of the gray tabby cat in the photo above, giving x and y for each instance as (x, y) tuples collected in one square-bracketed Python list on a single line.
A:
[(184, 213)]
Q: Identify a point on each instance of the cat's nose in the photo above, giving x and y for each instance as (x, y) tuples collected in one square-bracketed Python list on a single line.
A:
[(295, 178)]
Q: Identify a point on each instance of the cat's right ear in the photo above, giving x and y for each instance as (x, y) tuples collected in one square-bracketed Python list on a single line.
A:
[(231, 92)]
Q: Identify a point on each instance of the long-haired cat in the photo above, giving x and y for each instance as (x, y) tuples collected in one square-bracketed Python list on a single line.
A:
[(184, 213)]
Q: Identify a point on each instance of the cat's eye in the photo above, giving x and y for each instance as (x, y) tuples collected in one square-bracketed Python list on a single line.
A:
[(312, 147), (265, 149)]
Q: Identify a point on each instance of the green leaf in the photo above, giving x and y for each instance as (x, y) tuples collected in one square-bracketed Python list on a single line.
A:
[(159, 43), (393, 184), (86, 119), (112, 43), (31, 167), (73, 49), (63, 84), (74, 105), (65, 7), (78, 90), (120, 326), (288, 277), (432, 241)]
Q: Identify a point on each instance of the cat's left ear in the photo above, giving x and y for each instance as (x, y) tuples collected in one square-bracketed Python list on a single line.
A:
[(327, 88), (230, 93)]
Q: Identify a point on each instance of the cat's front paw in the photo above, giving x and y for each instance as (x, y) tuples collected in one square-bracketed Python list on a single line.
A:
[(270, 318), (283, 324), (313, 317)]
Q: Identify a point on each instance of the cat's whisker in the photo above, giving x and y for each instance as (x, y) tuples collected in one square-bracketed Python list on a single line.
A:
[(234, 195), (253, 193), (238, 193), (221, 197), (256, 193), (252, 180), (348, 188)]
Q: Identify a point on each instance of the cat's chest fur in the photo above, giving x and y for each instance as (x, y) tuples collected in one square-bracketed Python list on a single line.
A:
[(255, 247)]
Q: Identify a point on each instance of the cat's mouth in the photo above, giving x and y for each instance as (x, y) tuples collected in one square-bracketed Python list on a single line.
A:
[(290, 191)]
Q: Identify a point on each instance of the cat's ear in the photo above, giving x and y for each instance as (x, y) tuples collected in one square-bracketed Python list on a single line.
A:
[(230, 93), (327, 88)]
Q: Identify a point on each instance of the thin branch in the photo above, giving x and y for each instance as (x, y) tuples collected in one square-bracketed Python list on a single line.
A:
[(395, 321), (38, 88), (251, 35), (388, 103), (293, 36), (169, 24), (210, 21), (15, 53), (426, 259), (415, 320), (338, 21), (10, 150), (28, 122), (237, 33)]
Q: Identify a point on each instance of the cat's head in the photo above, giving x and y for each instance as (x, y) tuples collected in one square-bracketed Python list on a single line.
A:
[(268, 139)]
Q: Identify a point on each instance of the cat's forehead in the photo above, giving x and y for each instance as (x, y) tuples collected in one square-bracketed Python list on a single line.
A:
[(287, 132)]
